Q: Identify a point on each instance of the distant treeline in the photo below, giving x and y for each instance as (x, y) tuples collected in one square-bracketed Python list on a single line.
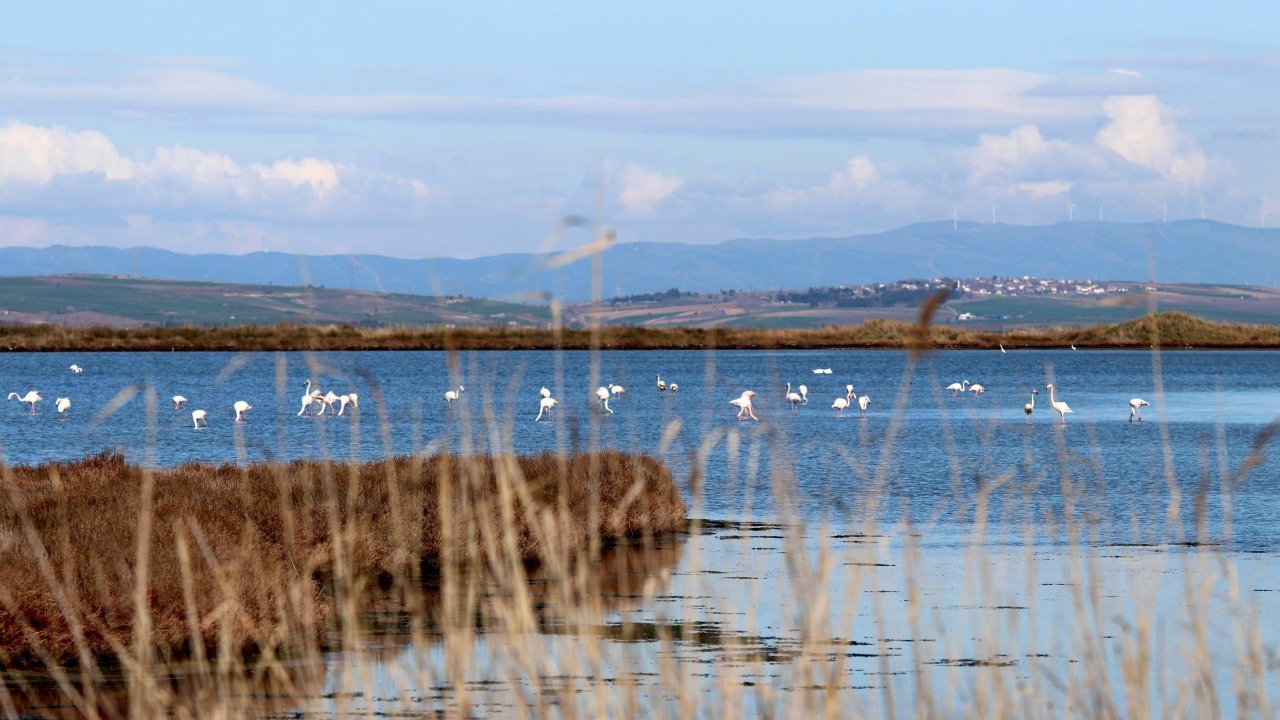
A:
[(895, 295), (1165, 329)]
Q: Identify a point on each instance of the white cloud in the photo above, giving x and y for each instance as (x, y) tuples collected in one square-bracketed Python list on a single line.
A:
[(642, 190), (1046, 188), (35, 155), (1142, 130), (320, 175)]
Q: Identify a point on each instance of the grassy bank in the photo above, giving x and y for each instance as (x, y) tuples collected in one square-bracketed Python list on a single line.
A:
[(104, 559), (1174, 330)]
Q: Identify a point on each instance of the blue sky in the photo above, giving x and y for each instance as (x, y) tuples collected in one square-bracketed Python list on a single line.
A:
[(422, 129)]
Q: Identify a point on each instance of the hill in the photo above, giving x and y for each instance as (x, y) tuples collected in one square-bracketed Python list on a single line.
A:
[(1177, 251), (85, 300)]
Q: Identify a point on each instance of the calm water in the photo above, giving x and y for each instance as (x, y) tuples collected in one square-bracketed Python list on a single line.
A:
[(931, 451), (688, 614)]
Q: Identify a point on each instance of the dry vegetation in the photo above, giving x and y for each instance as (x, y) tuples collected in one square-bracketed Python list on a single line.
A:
[(1167, 329), (248, 559)]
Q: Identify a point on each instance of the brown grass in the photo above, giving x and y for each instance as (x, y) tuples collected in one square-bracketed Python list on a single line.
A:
[(1174, 329), (241, 559)]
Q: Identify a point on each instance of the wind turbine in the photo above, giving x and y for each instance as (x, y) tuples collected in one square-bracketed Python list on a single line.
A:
[(1071, 211), (993, 211)]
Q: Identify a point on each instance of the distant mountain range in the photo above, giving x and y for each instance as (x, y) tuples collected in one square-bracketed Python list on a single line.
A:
[(1189, 251)]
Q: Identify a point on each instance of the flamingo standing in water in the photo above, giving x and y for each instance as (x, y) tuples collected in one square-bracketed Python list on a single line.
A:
[(63, 404), (351, 399), (956, 388), (546, 405), (197, 417), (1134, 404), (804, 394), (32, 397), (1031, 406), (863, 403), (840, 404), (602, 395), (743, 402), (849, 394), (452, 395), (616, 390), (661, 385), (330, 399), (673, 388), (179, 402), (76, 369), (308, 399), (977, 389), (544, 392), (1058, 405), (241, 407), (794, 399)]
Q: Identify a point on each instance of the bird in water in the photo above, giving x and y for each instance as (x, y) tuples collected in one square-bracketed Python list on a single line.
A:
[(452, 395), (616, 390), (743, 402), (544, 392), (1031, 406), (241, 407), (1134, 408), (661, 385), (179, 402), (602, 396), (76, 369), (63, 404), (198, 416), (1058, 405), (351, 399), (863, 403), (673, 388), (32, 397), (840, 404), (977, 389), (957, 388), (794, 399), (804, 394), (546, 405)]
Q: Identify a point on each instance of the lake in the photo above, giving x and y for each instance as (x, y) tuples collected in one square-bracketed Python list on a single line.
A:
[(929, 540)]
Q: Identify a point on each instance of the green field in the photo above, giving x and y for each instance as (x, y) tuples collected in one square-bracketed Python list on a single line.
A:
[(133, 302)]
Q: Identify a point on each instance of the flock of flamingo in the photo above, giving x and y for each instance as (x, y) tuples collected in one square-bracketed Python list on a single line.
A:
[(316, 402)]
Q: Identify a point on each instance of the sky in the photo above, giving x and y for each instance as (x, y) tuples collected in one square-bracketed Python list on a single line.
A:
[(423, 129)]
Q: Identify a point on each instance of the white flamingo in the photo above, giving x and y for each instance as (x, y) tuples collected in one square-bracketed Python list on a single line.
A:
[(544, 392), (1134, 406), (63, 404), (673, 387), (956, 388), (198, 416), (546, 405), (32, 397), (1002, 349), (661, 385), (840, 404), (76, 369), (804, 394), (1031, 406), (241, 407), (617, 390), (977, 389), (849, 394), (794, 399), (452, 395), (744, 404), (817, 371), (330, 399), (602, 396), (1058, 405), (351, 399), (179, 402), (863, 403), (308, 398)]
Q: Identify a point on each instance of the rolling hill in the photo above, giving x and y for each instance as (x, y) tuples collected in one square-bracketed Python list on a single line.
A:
[(1190, 251), (132, 302)]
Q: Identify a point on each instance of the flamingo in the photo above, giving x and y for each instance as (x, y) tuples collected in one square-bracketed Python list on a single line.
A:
[(76, 369), (977, 389), (661, 385), (547, 405), (743, 402), (344, 400), (673, 387), (1134, 404), (1061, 407), (544, 392), (617, 390), (958, 387), (863, 402), (794, 399), (1002, 349), (817, 371), (241, 407), (198, 416), (452, 395), (63, 404), (330, 399), (32, 397), (804, 394), (826, 371), (840, 404), (602, 395), (849, 394), (308, 399), (179, 402), (1073, 347), (1031, 406)]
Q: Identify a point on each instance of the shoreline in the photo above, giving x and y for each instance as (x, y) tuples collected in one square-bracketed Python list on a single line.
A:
[(1167, 331)]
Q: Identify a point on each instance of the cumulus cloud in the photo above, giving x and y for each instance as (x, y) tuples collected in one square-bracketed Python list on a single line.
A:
[(1142, 130), (1045, 188), (36, 155), (642, 190)]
